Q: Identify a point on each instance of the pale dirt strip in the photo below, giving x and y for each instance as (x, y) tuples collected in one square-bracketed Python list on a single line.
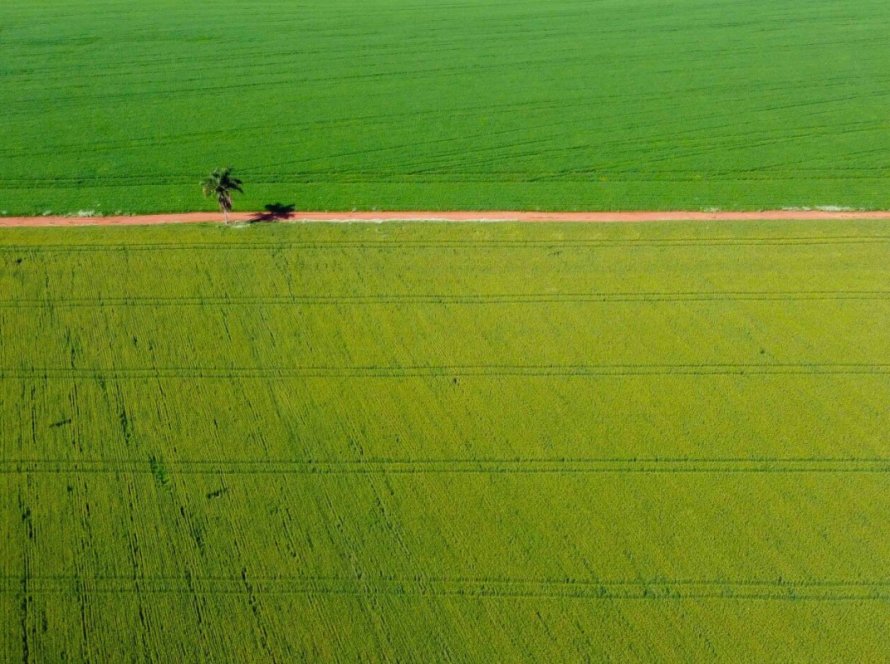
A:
[(426, 216)]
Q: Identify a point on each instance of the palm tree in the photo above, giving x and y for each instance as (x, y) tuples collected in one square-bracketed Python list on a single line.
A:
[(221, 184)]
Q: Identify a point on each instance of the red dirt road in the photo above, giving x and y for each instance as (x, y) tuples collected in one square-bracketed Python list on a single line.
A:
[(481, 216)]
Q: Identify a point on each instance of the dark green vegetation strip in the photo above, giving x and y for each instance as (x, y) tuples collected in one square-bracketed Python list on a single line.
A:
[(338, 104), (432, 442)]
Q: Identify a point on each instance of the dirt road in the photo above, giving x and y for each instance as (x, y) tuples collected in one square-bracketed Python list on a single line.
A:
[(480, 216)]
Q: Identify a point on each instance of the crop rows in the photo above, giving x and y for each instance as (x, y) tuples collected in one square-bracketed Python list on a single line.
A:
[(478, 105), (271, 373), (446, 466), (480, 443), (795, 591), (473, 244), (471, 299)]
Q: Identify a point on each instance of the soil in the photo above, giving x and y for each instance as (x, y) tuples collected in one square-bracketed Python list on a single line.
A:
[(480, 216)]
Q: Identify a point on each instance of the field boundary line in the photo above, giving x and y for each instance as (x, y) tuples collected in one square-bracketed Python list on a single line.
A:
[(426, 216)]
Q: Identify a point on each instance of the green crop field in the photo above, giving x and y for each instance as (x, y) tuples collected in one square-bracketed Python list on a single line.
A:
[(112, 105), (445, 443)]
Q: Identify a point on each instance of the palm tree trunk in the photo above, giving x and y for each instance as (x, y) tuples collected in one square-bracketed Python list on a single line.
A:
[(226, 215)]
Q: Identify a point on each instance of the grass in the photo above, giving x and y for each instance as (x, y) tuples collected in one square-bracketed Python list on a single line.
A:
[(434, 442), (565, 104)]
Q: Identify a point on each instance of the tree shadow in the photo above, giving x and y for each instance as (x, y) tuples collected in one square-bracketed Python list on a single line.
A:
[(274, 212)]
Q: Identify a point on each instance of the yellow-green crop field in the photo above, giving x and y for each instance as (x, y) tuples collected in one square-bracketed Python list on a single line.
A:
[(442, 442)]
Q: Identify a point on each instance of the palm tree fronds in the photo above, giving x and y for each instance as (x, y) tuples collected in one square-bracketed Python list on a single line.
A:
[(221, 184)]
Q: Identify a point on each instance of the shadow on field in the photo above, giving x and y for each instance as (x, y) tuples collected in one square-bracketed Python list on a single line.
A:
[(274, 212)]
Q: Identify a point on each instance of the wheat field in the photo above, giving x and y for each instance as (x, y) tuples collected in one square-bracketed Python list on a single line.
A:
[(445, 443), (111, 105)]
